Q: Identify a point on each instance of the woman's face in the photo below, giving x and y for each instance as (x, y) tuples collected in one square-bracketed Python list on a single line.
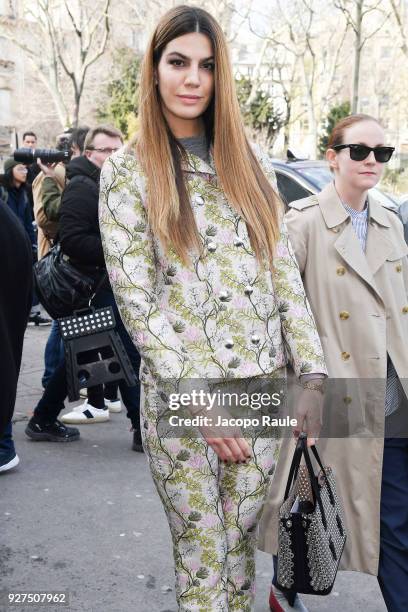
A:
[(19, 174), (360, 175), (185, 76)]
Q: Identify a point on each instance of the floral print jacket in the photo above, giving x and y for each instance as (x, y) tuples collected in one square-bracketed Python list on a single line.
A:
[(224, 317)]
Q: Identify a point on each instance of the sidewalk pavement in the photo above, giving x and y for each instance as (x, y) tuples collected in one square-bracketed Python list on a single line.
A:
[(85, 518)]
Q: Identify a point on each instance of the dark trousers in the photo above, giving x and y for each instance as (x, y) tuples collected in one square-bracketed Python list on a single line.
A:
[(393, 567), (53, 354), (52, 401), (7, 450)]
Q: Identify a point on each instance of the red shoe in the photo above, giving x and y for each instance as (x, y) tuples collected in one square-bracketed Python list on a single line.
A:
[(279, 603)]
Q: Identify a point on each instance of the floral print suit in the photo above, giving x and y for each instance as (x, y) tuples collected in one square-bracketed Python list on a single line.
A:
[(224, 317)]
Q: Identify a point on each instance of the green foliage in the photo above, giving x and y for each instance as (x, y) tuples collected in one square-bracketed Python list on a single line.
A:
[(335, 114), (260, 115), (121, 106)]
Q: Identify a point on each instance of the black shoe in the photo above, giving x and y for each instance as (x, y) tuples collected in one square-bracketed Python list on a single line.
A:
[(36, 319), (137, 442), (52, 432)]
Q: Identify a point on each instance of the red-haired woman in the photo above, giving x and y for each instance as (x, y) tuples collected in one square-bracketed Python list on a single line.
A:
[(353, 259), (208, 288)]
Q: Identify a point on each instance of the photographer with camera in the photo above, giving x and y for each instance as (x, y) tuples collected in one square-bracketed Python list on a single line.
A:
[(81, 241), (50, 183)]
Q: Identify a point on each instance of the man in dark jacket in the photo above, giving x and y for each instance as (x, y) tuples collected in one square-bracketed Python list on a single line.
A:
[(15, 303), (81, 240)]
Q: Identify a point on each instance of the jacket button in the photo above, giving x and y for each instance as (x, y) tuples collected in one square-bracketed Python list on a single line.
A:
[(212, 247), (344, 315), (347, 399), (341, 270), (229, 343), (405, 310), (398, 268), (345, 356), (248, 290), (255, 339)]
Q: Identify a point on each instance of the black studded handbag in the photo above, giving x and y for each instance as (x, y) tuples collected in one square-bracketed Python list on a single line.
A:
[(312, 532)]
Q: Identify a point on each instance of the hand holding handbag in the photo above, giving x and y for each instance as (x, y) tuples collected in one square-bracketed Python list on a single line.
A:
[(312, 532)]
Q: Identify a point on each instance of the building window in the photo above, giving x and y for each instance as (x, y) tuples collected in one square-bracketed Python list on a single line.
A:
[(304, 124)]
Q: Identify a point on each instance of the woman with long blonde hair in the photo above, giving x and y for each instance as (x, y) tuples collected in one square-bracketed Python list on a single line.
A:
[(208, 288)]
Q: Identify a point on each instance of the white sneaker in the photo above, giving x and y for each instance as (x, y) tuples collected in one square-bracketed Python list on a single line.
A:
[(9, 464), (85, 413), (113, 405)]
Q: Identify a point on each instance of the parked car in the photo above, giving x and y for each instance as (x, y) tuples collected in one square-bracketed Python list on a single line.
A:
[(403, 215), (301, 178)]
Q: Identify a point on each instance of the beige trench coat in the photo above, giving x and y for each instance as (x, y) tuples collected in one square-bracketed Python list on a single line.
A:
[(360, 304)]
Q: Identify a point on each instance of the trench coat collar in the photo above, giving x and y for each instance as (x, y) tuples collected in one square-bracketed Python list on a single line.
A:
[(335, 214), (378, 247)]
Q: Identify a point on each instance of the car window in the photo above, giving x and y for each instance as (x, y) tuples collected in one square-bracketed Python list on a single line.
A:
[(289, 188), (319, 176)]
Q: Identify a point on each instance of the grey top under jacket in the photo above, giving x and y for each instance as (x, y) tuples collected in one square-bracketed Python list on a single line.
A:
[(197, 145)]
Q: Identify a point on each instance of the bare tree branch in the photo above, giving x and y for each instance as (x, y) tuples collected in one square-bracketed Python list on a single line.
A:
[(397, 15)]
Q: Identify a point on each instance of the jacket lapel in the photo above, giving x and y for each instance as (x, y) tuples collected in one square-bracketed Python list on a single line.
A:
[(379, 245), (347, 244)]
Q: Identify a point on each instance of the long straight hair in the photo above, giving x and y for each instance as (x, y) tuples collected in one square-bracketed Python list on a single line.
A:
[(241, 177)]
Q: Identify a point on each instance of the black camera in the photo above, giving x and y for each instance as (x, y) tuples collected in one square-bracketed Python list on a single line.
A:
[(47, 156)]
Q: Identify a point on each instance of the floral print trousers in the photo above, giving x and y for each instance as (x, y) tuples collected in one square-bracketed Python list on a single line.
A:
[(213, 511)]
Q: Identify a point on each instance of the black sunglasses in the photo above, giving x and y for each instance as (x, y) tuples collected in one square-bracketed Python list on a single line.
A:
[(358, 152)]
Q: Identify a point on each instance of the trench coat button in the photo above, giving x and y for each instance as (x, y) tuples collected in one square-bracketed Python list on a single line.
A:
[(345, 356), (248, 290), (341, 270), (238, 242), (229, 343), (344, 315), (255, 339), (347, 399), (212, 247), (405, 310), (398, 268)]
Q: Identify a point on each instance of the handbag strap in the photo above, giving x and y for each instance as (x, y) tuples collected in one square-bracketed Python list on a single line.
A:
[(317, 457), (301, 449), (294, 468), (98, 286), (313, 480)]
